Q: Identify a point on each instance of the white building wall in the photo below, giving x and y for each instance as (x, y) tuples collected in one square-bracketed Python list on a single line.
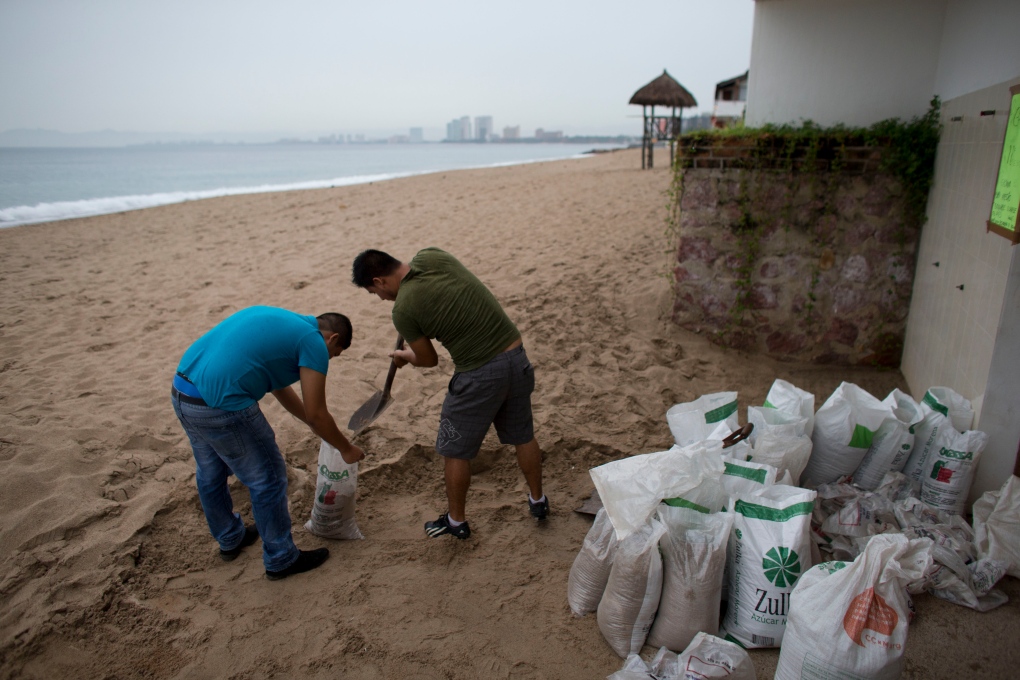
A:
[(843, 61), (980, 46), (969, 339)]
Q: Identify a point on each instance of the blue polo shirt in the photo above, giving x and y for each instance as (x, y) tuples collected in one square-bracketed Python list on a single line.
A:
[(252, 352)]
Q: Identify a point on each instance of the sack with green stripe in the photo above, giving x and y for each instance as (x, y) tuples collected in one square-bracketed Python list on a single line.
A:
[(845, 427), (943, 408), (741, 477), (711, 416), (790, 399), (769, 548), (890, 449)]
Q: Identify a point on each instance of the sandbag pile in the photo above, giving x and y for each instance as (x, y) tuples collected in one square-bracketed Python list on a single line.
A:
[(870, 492)]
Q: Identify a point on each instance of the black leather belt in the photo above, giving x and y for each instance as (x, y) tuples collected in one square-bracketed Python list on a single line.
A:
[(177, 394)]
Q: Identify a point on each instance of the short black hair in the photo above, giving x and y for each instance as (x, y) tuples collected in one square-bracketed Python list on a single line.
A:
[(371, 264), (337, 323)]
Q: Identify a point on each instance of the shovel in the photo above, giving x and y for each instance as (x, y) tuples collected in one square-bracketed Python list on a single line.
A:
[(593, 503), (374, 407)]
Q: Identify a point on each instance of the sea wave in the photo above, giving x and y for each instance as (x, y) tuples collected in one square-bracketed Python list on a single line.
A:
[(64, 210)]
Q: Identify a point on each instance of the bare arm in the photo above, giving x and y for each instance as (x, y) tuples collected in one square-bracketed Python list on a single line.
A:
[(419, 353), (318, 417), (289, 399)]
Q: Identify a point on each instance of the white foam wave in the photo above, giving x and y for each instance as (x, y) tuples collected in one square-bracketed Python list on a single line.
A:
[(64, 210)]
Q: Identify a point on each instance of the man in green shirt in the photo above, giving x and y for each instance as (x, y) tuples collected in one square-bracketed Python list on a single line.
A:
[(435, 297)]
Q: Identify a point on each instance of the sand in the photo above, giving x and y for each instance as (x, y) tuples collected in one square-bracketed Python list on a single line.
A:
[(107, 569)]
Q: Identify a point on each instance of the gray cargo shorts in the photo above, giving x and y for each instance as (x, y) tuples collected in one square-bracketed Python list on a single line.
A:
[(498, 393)]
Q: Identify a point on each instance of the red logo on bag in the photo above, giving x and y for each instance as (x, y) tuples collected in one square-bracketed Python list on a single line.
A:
[(869, 611)]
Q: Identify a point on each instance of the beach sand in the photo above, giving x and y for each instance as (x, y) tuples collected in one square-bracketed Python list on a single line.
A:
[(107, 569)]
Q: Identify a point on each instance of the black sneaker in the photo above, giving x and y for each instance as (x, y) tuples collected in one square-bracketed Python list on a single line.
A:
[(442, 526), (251, 534), (539, 510), (306, 561)]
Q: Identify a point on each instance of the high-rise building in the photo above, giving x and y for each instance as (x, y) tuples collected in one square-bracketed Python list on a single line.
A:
[(416, 135), (512, 132), (483, 128), (453, 131), (459, 129)]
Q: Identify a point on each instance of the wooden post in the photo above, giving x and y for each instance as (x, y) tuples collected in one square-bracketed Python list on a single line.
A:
[(644, 135), (651, 139)]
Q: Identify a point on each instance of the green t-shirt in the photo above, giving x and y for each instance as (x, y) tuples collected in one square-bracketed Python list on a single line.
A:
[(440, 299)]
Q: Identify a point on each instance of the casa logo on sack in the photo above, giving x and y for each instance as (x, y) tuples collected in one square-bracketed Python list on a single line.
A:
[(960, 455), (869, 612), (333, 476), (831, 567)]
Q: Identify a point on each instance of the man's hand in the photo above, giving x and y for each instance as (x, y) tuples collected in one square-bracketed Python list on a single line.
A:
[(419, 353), (352, 455), (403, 357)]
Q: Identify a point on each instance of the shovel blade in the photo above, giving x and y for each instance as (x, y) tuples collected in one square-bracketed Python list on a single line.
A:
[(368, 412)]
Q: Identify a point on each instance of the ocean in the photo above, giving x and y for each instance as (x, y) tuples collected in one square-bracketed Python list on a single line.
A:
[(46, 184)]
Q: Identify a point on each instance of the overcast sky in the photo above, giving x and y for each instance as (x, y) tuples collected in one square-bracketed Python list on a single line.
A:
[(333, 66)]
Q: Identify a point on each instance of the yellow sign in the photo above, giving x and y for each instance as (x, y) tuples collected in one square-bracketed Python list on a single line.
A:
[(1005, 217)]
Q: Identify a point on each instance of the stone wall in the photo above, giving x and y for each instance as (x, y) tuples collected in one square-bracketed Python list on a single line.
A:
[(799, 255)]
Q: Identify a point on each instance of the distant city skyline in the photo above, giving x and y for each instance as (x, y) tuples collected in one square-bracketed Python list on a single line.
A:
[(261, 70)]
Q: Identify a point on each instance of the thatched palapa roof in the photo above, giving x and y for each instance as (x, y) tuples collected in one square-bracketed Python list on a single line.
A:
[(663, 91)]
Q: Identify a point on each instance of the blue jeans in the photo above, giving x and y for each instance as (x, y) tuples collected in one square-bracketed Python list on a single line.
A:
[(243, 444)]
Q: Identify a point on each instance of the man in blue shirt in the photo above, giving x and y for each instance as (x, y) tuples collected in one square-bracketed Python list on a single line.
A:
[(215, 393)]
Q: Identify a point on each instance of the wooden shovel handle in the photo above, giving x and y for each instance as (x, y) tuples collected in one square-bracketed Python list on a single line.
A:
[(393, 369)]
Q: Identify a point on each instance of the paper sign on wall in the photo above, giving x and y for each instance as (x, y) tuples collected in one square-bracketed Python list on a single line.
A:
[(1005, 217)]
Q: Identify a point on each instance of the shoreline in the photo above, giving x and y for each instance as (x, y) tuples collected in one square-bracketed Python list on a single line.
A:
[(54, 211)]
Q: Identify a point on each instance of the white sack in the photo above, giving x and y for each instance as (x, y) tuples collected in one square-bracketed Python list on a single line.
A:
[(767, 419), (850, 620), (336, 490), (743, 477), (789, 455), (634, 668), (631, 488), (712, 657), (693, 559), (943, 408), (950, 404), (785, 453), (893, 442), (997, 525), (590, 571), (845, 426), (628, 605), (784, 396), (949, 470), (769, 549), (709, 496), (711, 416)]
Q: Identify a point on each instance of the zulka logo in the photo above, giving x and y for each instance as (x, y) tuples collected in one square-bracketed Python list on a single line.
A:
[(868, 611), (781, 566)]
